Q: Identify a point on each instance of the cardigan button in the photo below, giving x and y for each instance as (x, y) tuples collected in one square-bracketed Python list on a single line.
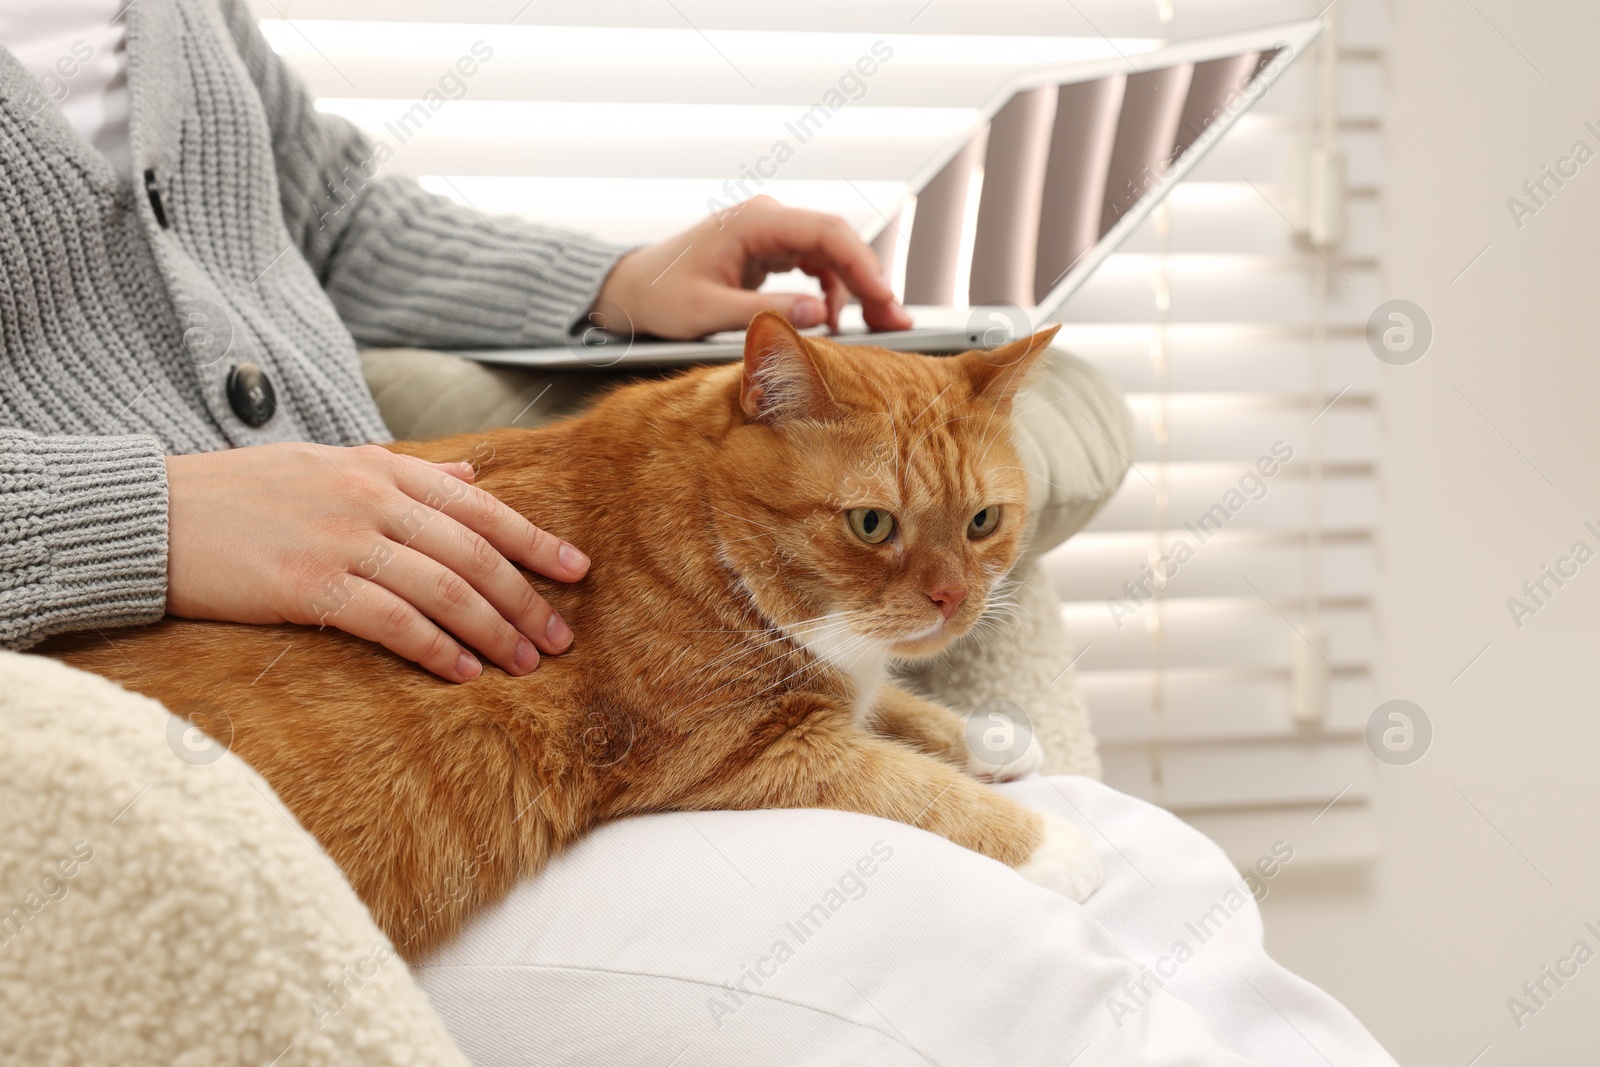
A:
[(251, 395)]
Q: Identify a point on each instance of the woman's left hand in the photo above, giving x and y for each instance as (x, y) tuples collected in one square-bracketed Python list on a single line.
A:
[(704, 279)]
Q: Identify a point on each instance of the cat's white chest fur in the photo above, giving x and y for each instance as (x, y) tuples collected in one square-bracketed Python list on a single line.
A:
[(865, 662)]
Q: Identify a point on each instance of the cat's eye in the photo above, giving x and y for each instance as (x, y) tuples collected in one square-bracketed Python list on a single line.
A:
[(984, 523), (872, 525)]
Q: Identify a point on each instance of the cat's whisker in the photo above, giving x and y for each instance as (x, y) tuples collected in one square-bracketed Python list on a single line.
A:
[(930, 404), (995, 611), (998, 612), (818, 662), (888, 413), (732, 654), (998, 601), (758, 639), (771, 627), (838, 622), (979, 637), (993, 623), (1004, 606), (829, 623), (741, 518), (1003, 421), (735, 680), (749, 646), (937, 426), (1030, 471)]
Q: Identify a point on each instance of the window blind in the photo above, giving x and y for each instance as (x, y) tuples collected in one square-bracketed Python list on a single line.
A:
[(1238, 342)]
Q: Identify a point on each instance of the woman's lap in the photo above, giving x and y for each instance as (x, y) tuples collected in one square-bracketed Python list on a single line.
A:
[(824, 937), (1176, 905)]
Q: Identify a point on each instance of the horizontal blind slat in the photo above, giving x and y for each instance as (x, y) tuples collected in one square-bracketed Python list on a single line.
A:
[(621, 65), (1122, 567), (644, 210), (1221, 289), (1232, 218), (1232, 775), (1242, 631), (1231, 431), (1012, 17), (1349, 503), (1258, 149), (580, 138), (1341, 836), (1212, 705), (1228, 363)]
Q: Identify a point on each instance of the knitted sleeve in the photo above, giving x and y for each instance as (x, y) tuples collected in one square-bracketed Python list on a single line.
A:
[(83, 534), (401, 265)]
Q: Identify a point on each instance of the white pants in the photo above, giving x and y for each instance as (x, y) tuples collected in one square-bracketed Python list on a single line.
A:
[(820, 937)]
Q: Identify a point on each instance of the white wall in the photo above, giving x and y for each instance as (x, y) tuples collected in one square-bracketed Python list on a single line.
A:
[(1456, 916)]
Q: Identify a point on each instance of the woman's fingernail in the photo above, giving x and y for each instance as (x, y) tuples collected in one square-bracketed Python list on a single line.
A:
[(572, 559), (467, 666), (557, 630), (527, 656), (807, 312)]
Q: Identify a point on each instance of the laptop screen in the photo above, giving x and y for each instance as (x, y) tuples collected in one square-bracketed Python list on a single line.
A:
[(1055, 169)]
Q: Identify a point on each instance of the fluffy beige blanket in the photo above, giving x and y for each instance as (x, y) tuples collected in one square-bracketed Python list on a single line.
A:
[(159, 907)]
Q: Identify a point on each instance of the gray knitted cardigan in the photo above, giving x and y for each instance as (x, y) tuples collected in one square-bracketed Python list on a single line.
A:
[(233, 227)]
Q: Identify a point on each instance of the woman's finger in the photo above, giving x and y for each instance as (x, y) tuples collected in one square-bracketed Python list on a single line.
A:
[(506, 589), (513, 536), (456, 469), (450, 601), (828, 240), (373, 613), (834, 291)]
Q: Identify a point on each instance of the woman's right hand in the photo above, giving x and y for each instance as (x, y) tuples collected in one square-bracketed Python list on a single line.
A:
[(389, 548)]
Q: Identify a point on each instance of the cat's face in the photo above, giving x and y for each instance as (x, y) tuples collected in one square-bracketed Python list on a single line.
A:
[(873, 501)]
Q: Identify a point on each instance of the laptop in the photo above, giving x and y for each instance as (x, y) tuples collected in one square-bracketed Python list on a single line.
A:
[(1004, 224)]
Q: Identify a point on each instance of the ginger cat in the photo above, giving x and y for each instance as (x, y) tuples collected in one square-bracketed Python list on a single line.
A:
[(766, 537)]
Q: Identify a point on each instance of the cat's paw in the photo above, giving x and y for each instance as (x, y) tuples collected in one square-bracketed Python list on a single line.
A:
[(1064, 861), (1027, 763)]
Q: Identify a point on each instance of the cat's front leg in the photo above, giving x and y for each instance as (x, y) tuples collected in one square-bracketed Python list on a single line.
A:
[(922, 724), (941, 733), (827, 765)]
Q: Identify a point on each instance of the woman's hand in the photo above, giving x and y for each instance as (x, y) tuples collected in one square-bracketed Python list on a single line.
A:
[(387, 547), (703, 280)]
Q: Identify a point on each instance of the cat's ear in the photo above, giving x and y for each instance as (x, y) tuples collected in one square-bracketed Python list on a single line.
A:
[(781, 377), (997, 374)]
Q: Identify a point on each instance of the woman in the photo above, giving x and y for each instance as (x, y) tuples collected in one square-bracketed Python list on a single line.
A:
[(181, 304)]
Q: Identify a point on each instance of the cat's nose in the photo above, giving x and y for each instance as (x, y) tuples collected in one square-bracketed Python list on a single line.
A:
[(948, 599)]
